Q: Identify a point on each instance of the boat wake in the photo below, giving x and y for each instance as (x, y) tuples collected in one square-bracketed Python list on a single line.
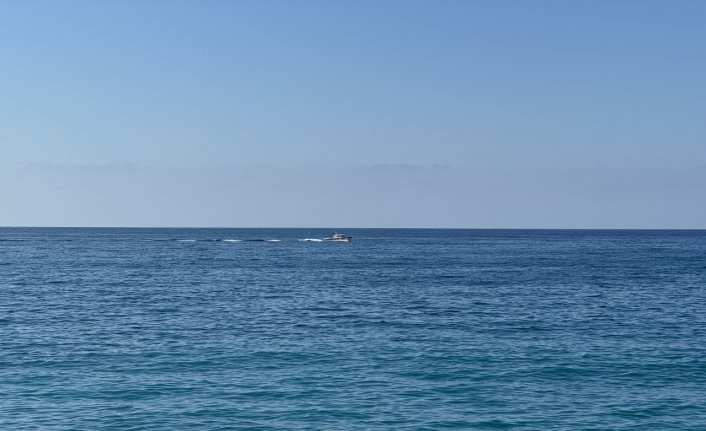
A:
[(228, 240)]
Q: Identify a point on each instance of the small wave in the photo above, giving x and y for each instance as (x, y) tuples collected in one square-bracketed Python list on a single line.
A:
[(186, 240), (232, 240), (311, 240), (273, 240)]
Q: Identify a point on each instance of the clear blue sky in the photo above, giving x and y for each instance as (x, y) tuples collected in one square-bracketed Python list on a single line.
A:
[(436, 113)]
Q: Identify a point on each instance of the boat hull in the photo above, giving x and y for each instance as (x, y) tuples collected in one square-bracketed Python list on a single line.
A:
[(339, 237)]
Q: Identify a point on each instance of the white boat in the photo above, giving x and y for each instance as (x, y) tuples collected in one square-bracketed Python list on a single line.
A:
[(339, 237)]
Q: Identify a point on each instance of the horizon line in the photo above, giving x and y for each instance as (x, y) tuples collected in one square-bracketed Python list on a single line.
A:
[(369, 228)]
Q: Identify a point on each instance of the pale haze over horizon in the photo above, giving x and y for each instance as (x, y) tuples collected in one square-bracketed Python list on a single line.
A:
[(466, 114)]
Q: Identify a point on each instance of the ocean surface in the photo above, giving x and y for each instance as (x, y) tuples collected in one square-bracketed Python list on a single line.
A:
[(220, 329)]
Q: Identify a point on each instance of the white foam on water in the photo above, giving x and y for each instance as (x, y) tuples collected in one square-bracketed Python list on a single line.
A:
[(273, 240), (311, 240), (232, 240), (186, 240)]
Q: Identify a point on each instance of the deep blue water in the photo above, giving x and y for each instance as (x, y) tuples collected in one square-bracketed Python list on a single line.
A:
[(137, 329)]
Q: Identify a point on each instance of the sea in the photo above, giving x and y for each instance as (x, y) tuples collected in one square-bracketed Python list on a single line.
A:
[(400, 329)]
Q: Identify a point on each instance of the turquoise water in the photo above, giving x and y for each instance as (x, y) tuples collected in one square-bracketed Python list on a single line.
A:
[(166, 329)]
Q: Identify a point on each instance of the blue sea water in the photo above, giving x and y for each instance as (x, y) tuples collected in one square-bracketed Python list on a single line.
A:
[(177, 329)]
